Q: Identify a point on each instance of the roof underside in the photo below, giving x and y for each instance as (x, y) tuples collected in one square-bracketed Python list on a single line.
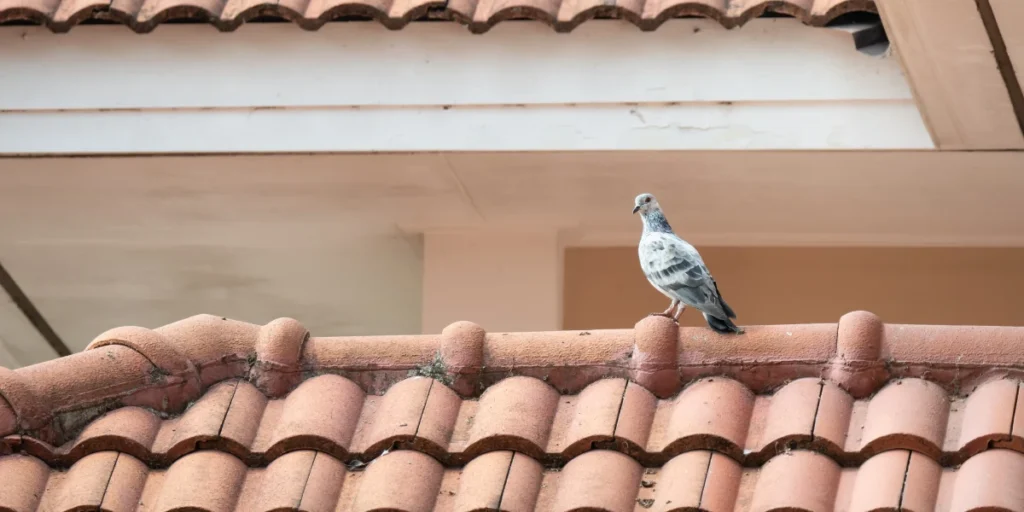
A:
[(212, 414), (478, 15)]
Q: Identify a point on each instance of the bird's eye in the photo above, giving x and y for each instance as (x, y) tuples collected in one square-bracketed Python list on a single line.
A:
[(647, 199)]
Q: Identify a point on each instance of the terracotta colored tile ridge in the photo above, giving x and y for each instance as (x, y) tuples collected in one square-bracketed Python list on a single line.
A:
[(167, 367), (600, 480), (478, 15), (528, 416)]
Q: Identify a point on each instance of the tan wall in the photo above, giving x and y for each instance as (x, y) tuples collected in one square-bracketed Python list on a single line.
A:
[(604, 287)]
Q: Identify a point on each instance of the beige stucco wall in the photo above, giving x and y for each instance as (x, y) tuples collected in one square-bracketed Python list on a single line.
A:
[(604, 287)]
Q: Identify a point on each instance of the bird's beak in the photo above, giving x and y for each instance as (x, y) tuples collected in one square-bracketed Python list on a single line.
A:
[(636, 208)]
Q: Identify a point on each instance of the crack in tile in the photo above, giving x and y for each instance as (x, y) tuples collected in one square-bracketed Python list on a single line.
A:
[(707, 476), (423, 410), (508, 474), (618, 415), (1013, 416), (817, 408), (227, 409), (903, 487), (298, 504), (106, 487)]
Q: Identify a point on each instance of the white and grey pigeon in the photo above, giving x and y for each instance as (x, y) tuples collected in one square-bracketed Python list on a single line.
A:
[(675, 268)]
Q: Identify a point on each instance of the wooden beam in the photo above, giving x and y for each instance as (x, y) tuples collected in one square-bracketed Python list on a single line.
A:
[(20, 342), (947, 55), (1009, 19)]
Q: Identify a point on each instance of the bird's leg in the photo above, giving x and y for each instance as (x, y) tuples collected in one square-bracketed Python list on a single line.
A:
[(669, 310), (682, 307), (670, 307)]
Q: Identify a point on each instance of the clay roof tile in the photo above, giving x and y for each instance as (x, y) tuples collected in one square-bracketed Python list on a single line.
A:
[(214, 414), (479, 16)]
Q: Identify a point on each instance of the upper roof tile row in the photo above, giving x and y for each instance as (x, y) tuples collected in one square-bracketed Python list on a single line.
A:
[(599, 480), (166, 368), (528, 416), (479, 15)]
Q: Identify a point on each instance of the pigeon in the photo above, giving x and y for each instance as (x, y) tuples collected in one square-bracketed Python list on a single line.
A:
[(675, 268)]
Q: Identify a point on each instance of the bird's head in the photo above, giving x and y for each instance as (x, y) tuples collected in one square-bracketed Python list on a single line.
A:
[(645, 203)]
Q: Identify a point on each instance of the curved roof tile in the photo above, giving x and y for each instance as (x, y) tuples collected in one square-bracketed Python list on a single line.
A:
[(208, 412), (479, 16)]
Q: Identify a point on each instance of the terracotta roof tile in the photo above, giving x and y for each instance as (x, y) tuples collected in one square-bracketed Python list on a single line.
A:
[(214, 414), (479, 15), (712, 413), (600, 480)]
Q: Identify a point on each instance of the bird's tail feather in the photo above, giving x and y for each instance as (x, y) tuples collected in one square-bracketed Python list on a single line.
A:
[(722, 325), (728, 311), (725, 307)]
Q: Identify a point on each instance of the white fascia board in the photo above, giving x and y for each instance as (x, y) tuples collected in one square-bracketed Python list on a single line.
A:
[(773, 84)]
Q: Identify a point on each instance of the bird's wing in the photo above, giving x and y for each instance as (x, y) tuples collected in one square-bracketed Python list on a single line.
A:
[(669, 262), (676, 268)]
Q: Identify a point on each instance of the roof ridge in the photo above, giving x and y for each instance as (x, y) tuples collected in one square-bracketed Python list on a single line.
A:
[(168, 367), (478, 15)]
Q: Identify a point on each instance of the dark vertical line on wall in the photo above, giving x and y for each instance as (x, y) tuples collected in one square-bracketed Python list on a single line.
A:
[(29, 310), (1003, 61)]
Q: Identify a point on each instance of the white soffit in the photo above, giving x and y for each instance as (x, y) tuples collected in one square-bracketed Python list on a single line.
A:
[(356, 86)]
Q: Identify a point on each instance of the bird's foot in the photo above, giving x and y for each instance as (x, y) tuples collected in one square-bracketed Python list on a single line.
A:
[(666, 315), (679, 313)]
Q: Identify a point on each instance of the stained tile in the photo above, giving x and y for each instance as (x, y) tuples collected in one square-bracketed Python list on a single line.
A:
[(22, 481), (280, 485), (124, 489), (119, 429), (832, 421), (440, 413), (323, 485), (245, 412), (207, 480), (907, 411), (201, 421), (790, 412), (880, 482), (83, 486), (798, 480), (522, 487), (991, 481), (304, 416), (710, 408), (589, 416), (722, 485), (483, 483), (637, 415), (401, 480), (989, 410), (517, 407), (600, 479), (920, 491), (397, 414), (681, 481), (8, 419)]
